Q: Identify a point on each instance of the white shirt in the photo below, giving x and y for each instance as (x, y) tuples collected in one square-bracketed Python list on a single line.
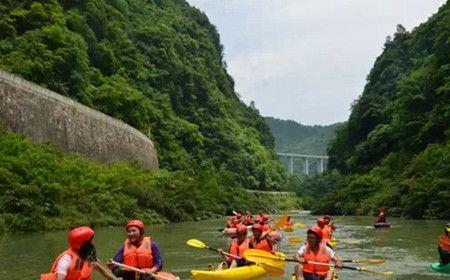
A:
[(302, 250), (64, 264)]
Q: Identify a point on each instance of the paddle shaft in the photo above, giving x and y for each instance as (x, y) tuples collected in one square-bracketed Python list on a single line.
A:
[(225, 253), (139, 270)]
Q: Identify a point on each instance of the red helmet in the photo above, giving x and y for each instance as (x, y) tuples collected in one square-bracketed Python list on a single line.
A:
[(265, 227), (136, 223), (327, 217), (264, 218), (257, 227), (238, 215), (321, 222), (78, 236), (247, 213), (317, 231), (241, 228)]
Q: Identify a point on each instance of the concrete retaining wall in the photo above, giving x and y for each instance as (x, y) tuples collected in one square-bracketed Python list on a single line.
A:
[(43, 115)]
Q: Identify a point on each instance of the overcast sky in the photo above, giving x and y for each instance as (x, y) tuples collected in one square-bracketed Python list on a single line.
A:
[(307, 60)]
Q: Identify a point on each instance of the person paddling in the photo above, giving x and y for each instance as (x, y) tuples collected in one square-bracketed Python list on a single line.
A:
[(77, 262), (256, 242), (248, 221), (444, 246), (314, 250), (239, 245), (326, 231), (328, 223), (138, 251), (381, 218)]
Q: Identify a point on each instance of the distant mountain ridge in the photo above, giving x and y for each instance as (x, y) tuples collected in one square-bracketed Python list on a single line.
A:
[(294, 137)]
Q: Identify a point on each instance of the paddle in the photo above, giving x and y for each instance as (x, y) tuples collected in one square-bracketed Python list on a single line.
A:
[(155, 275), (368, 261), (269, 268), (302, 225), (340, 218), (295, 240), (277, 260)]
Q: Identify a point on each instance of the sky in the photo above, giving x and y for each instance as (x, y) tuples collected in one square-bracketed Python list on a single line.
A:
[(307, 60)]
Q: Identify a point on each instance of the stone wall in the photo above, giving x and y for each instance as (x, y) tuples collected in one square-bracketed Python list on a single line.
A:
[(43, 115)]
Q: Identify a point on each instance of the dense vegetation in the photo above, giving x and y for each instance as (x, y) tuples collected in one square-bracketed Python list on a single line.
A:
[(394, 150), (155, 64), (294, 137), (42, 188)]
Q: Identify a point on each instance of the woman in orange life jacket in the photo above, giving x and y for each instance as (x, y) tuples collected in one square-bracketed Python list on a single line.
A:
[(256, 242), (444, 246), (288, 222), (138, 251), (77, 262), (316, 251), (239, 245), (381, 218)]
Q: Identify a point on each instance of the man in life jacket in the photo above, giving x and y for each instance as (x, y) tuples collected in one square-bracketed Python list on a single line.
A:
[(239, 245), (444, 246), (256, 242), (138, 251), (381, 218), (314, 250), (327, 219), (77, 262), (288, 222), (326, 231), (247, 219)]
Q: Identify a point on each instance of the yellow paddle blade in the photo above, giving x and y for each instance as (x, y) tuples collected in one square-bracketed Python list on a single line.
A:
[(259, 256), (295, 240), (302, 225), (280, 222), (288, 229), (385, 273), (272, 269), (371, 261), (196, 243)]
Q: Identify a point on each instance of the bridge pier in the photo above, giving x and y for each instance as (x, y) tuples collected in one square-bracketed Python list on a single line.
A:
[(291, 165), (306, 166)]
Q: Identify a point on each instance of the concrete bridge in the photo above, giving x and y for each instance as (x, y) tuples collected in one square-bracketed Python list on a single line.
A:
[(320, 161)]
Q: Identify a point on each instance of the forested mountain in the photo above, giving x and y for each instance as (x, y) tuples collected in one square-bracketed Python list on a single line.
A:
[(294, 137), (157, 65), (394, 150)]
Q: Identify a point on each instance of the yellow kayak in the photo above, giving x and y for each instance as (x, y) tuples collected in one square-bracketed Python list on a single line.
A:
[(239, 273)]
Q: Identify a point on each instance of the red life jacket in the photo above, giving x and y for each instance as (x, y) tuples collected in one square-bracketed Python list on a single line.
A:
[(262, 244), (247, 220), (322, 256), (239, 250), (139, 257), (327, 232), (444, 243), (79, 269)]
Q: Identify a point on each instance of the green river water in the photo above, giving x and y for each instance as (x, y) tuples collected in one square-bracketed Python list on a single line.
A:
[(409, 246)]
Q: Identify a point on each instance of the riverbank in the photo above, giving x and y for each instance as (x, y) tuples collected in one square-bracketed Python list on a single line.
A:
[(42, 188)]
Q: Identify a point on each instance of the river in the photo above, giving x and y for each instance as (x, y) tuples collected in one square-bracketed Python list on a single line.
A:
[(409, 246)]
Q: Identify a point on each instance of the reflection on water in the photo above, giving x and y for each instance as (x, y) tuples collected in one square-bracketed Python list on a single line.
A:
[(410, 245)]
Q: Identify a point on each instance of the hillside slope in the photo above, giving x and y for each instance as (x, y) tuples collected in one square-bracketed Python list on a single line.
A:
[(394, 149), (294, 137), (157, 65)]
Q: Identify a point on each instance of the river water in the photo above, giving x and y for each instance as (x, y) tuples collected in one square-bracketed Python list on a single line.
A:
[(409, 246)]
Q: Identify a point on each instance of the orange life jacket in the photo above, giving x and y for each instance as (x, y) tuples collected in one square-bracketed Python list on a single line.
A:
[(444, 242), (322, 256), (247, 221), (327, 232), (79, 269), (239, 250), (139, 257), (263, 244)]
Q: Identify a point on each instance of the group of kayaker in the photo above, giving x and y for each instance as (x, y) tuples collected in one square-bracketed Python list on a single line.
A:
[(79, 260)]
